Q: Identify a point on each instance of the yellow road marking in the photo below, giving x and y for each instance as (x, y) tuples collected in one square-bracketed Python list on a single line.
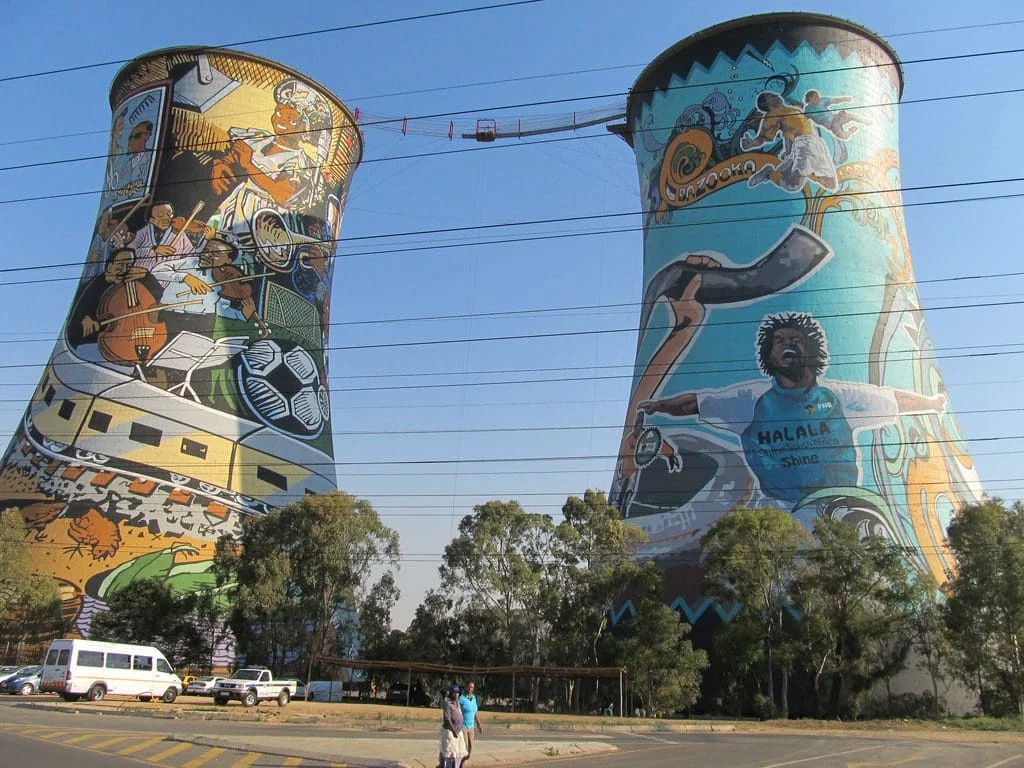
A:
[(204, 758), (33, 731), (248, 760), (903, 760), (293, 761), (83, 737), (110, 742), (181, 747), (141, 746)]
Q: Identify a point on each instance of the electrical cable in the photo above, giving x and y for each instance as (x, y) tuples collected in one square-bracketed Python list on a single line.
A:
[(590, 217), (291, 36), (525, 78)]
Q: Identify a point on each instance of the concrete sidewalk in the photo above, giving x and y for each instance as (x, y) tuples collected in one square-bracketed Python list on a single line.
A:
[(388, 752)]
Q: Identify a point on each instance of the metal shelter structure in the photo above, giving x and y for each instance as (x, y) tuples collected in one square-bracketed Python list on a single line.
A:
[(619, 673)]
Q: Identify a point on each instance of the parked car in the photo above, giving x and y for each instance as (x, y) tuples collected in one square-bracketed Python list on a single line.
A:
[(202, 686), (24, 682), (251, 686), (75, 668), (6, 673), (418, 697)]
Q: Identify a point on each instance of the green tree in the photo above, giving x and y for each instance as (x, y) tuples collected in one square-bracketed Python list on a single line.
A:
[(30, 609), (150, 612), (299, 572), (501, 560), (855, 592), (929, 637), (594, 561), (663, 666), (985, 609), (753, 557)]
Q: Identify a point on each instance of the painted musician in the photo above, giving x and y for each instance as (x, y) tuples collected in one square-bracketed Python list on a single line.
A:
[(216, 285), (118, 270), (162, 239), (279, 170)]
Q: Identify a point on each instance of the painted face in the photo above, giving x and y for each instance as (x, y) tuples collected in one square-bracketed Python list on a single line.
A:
[(137, 138), (215, 255), (161, 216), (789, 351), (118, 267), (286, 119)]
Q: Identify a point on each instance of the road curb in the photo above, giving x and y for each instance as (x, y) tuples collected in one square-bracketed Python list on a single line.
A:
[(340, 721), (230, 743)]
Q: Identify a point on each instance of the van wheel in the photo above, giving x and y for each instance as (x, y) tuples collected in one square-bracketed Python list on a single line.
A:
[(283, 698), (249, 699), (96, 693), (169, 695)]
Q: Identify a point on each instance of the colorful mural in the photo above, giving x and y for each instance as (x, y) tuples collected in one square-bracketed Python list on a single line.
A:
[(783, 357), (189, 385)]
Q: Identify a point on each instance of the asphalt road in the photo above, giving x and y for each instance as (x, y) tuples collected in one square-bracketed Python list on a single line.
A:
[(39, 739)]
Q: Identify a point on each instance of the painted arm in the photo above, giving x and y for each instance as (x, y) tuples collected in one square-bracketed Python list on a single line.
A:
[(769, 127), (912, 402), (684, 404)]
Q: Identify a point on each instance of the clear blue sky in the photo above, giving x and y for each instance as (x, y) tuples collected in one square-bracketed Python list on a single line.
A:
[(384, 71)]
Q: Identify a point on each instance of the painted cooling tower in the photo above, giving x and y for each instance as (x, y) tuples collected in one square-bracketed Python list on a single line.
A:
[(783, 356), (188, 386)]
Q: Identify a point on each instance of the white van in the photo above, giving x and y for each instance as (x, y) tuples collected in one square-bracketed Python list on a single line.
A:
[(76, 668)]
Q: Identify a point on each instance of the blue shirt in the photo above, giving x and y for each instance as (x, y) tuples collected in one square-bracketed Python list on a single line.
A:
[(469, 707), (799, 441)]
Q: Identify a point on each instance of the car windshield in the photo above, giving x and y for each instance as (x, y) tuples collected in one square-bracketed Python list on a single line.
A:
[(28, 671), (248, 674)]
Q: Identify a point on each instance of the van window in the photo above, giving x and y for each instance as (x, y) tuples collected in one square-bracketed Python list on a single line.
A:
[(119, 661), (144, 663), (163, 666), (51, 657), (63, 656), (90, 659)]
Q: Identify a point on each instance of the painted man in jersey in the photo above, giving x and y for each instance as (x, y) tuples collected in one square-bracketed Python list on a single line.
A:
[(797, 428)]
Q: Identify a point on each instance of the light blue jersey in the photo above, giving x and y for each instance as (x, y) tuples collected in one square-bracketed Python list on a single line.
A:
[(469, 706)]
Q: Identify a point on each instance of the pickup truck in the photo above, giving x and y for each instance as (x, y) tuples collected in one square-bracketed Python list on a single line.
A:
[(251, 686)]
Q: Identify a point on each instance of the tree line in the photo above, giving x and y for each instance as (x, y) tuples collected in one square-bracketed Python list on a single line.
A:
[(824, 617)]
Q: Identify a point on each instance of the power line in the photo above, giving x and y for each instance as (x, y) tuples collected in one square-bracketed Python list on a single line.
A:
[(590, 217), (498, 145), (291, 36), (603, 331), (524, 78), (562, 309), (214, 144), (749, 367), (271, 462)]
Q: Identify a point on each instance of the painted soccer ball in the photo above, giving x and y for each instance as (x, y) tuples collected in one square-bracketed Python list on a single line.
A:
[(281, 385)]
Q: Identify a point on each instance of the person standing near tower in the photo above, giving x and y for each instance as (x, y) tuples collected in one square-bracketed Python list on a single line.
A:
[(470, 720)]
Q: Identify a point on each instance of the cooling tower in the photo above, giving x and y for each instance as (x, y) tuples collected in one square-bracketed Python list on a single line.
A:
[(783, 356), (188, 386)]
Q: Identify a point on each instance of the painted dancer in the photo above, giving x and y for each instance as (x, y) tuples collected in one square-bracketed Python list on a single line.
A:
[(805, 156)]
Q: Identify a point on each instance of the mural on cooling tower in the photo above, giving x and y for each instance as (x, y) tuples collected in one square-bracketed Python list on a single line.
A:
[(783, 357), (189, 385)]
